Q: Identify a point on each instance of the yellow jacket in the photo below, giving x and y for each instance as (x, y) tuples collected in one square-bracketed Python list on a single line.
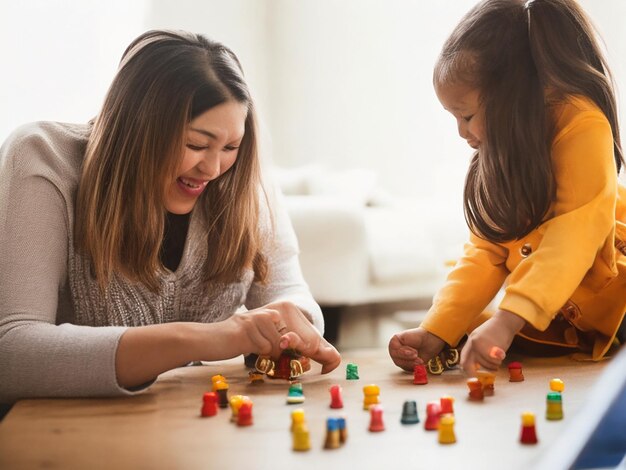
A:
[(567, 278)]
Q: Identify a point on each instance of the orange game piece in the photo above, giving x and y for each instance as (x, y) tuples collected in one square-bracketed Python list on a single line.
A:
[(475, 389), (447, 405), (487, 379)]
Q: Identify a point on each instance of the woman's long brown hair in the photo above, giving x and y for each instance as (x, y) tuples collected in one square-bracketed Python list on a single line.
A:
[(166, 79), (513, 52)]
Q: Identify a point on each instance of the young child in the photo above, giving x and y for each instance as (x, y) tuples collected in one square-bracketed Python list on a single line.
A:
[(531, 93), (129, 243)]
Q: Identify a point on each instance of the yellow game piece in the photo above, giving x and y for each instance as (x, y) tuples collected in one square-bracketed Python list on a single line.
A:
[(301, 439), (297, 417), (371, 393), (217, 378), (557, 385), (235, 403), (446, 429), (488, 380)]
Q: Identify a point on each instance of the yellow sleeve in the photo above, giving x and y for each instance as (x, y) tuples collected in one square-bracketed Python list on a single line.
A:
[(583, 217), (469, 288)]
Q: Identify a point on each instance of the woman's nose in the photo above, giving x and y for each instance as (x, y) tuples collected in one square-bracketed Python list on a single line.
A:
[(462, 128), (210, 165)]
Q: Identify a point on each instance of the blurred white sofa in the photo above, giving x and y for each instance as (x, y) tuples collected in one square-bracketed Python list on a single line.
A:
[(359, 245)]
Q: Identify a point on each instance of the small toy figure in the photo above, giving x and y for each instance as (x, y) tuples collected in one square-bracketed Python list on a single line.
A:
[(235, 404), (409, 413), (487, 379), (447, 359), (244, 417), (221, 389), (554, 406), (295, 394), (447, 405), (209, 404), (420, 377), (446, 429), (300, 437), (557, 385), (333, 438), (515, 372), (433, 410), (475, 389), (217, 378), (352, 372), (336, 401), (529, 433), (371, 396), (376, 419), (297, 417), (290, 365)]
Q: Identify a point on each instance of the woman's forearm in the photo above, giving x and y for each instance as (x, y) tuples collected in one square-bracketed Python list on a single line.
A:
[(145, 352)]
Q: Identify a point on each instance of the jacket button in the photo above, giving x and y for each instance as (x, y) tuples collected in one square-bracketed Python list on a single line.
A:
[(526, 250)]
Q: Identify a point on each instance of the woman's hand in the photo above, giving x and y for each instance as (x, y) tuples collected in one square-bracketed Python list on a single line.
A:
[(277, 326), (486, 345), (415, 346)]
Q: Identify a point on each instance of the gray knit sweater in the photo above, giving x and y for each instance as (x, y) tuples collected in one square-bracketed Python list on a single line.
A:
[(58, 334)]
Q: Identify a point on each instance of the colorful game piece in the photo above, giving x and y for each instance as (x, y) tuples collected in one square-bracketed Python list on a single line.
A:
[(371, 393), (446, 429), (447, 359), (255, 377), (376, 419), (515, 372), (300, 437), (235, 404), (221, 389), (343, 431), (475, 389), (352, 372), (420, 377), (297, 417), (290, 365), (209, 404), (433, 410), (217, 378), (295, 394), (557, 385), (336, 401), (488, 380), (409, 413), (554, 408), (529, 433), (333, 437), (447, 405), (244, 417)]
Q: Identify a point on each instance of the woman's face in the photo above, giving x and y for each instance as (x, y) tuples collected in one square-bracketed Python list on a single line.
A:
[(463, 102), (212, 142)]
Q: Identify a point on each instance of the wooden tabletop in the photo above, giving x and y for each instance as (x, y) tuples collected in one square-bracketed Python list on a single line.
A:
[(162, 427)]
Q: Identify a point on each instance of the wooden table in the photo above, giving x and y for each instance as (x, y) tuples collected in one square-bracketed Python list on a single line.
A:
[(161, 428)]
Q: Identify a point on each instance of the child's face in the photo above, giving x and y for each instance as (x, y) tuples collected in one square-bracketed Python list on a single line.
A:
[(211, 143), (463, 102)]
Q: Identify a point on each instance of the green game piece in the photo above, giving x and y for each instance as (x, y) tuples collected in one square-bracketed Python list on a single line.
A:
[(352, 372)]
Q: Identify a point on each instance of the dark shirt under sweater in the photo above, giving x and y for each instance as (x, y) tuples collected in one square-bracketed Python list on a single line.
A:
[(176, 227)]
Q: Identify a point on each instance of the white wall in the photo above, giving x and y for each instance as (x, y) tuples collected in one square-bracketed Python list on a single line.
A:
[(345, 83)]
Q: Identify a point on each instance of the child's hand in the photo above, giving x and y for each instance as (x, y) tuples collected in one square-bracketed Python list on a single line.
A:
[(415, 346), (270, 329), (485, 345)]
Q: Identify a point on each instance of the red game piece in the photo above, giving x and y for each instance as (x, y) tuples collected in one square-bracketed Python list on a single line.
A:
[(447, 403), (335, 397), (244, 417), (420, 377), (376, 419), (209, 404), (475, 389), (433, 410), (515, 372), (529, 433)]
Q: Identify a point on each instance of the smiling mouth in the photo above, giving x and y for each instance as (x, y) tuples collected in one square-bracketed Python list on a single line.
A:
[(191, 184)]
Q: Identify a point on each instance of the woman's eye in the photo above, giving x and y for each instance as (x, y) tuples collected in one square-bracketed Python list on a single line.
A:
[(230, 148), (195, 148), (467, 118)]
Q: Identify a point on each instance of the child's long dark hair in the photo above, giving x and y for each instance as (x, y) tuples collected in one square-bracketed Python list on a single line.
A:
[(517, 54)]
